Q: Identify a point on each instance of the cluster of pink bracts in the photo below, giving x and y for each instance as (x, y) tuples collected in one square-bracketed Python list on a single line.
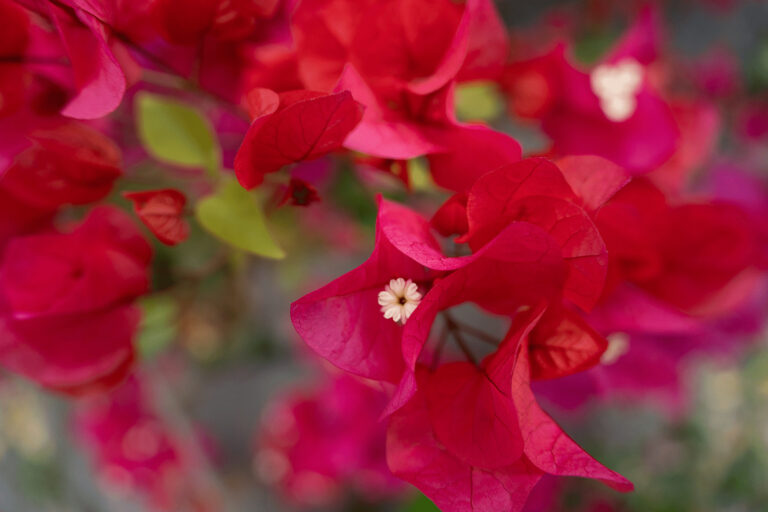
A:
[(607, 263)]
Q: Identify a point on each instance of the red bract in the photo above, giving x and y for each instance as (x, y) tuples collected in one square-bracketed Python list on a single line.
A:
[(414, 125), (305, 126), (561, 344), (469, 151), (522, 264), (99, 79), (67, 164), (475, 440), (162, 211), (534, 191), (316, 442), (343, 323), (61, 326)]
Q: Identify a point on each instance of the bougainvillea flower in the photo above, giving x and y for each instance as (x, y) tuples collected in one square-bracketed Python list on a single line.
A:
[(419, 46), (136, 451), (56, 164), (304, 126), (233, 63), (399, 130), (87, 353), (406, 81), (345, 322), (415, 125), (162, 211), (685, 279), (613, 111), (684, 255), (68, 163), (99, 79), (315, 442), (63, 273), (364, 342), (60, 325), (474, 438)]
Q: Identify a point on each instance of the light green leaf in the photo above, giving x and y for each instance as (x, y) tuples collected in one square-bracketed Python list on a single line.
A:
[(478, 101), (233, 215), (158, 324), (175, 133)]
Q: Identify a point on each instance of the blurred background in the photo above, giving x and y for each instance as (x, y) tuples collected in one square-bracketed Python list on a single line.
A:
[(221, 362)]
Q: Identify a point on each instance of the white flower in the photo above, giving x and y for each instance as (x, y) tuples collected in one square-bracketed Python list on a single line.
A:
[(618, 345), (399, 299), (617, 87)]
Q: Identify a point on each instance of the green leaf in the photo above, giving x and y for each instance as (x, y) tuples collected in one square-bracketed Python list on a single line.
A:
[(233, 215), (421, 504), (158, 324), (175, 133), (478, 101)]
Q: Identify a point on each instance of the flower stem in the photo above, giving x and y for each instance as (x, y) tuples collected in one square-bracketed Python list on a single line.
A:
[(454, 329)]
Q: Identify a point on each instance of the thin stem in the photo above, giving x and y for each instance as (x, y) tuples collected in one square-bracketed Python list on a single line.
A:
[(204, 478), (441, 340), (453, 327), (479, 334)]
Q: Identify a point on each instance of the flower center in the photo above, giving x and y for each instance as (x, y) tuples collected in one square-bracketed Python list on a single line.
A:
[(618, 345), (399, 299), (617, 86)]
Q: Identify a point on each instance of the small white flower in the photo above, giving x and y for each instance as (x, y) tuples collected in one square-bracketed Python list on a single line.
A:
[(399, 299), (618, 345), (617, 87)]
